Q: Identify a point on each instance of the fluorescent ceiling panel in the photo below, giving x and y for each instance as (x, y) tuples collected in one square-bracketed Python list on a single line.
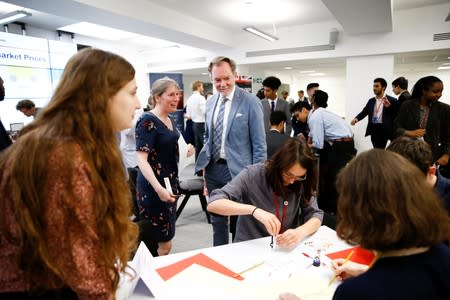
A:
[(98, 31)]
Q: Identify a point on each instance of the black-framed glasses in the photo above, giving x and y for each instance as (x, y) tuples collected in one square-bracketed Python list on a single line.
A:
[(290, 176)]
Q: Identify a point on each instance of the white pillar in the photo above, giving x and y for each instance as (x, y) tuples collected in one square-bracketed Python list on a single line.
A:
[(361, 71)]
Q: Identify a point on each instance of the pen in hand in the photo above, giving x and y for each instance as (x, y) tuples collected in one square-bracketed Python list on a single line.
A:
[(349, 256)]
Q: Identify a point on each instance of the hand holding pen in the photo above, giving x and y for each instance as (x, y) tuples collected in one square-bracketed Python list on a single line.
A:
[(344, 270)]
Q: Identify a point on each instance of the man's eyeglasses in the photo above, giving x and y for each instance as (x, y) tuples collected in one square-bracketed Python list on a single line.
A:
[(290, 176)]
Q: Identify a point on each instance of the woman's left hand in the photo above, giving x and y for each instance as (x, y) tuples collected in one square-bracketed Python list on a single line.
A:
[(190, 150)]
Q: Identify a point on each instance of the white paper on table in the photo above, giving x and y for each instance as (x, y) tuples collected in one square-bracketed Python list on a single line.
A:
[(144, 270), (198, 282)]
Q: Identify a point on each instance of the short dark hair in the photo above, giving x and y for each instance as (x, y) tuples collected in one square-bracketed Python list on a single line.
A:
[(260, 93), (25, 103), (381, 81), (272, 82), (385, 204), (299, 105), (415, 150), (320, 98), (312, 85), (277, 116), (401, 82)]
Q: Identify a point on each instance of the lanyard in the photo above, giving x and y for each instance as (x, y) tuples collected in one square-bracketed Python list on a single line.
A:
[(424, 117), (378, 106), (277, 210)]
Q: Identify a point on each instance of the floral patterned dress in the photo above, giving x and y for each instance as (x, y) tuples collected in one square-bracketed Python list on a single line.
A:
[(161, 144)]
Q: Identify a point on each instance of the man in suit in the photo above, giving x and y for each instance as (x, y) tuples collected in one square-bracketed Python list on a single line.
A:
[(234, 135), (381, 110), (301, 96), (275, 137), (272, 103), (300, 112), (400, 89), (310, 89)]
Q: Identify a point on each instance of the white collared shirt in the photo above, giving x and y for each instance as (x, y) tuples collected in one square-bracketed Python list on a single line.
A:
[(195, 107), (378, 108)]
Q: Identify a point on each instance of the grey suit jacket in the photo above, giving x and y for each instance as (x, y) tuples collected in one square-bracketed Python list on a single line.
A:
[(245, 138), (282, 105)]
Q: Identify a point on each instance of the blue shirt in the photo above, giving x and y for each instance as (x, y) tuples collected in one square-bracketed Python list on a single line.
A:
[(327, 126)]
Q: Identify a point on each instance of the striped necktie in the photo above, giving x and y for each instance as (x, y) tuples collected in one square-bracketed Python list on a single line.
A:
[(218, 130)]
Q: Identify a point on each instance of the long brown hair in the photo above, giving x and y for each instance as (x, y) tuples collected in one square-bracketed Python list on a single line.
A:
[(77, 119), (386, 204), (293, 151)]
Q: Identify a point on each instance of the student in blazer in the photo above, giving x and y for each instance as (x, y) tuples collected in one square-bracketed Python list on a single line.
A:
[(381, 111)]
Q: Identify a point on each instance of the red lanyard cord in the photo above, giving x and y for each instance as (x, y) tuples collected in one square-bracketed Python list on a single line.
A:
[(277, 210)]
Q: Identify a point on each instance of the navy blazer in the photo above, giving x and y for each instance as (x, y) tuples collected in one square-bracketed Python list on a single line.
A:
[(389, 114), (245, 137)]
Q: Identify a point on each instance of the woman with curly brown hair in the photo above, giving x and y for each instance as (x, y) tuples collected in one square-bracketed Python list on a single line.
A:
[(64, 227), (273, 198)]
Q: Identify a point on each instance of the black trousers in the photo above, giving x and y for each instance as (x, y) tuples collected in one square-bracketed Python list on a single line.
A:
[(199, 135), (379, 136), (339, 154)]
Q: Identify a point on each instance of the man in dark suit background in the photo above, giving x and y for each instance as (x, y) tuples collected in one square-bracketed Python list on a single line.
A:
[(275, 137), (272, 103), (400, 89), (381, 110)]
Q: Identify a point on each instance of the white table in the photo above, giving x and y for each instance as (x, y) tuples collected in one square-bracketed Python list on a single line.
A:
[(279, 265)]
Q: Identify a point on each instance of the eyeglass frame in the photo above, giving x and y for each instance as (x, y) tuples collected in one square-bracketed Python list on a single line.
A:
[(288, 175)]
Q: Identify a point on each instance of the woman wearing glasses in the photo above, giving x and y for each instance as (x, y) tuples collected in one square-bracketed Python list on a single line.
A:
[(273, 198)]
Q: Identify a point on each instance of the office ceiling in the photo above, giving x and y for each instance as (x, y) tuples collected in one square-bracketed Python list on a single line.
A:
[(212, 25)]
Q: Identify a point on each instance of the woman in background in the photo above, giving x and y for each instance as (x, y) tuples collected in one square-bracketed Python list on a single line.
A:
[(423, 116), (64, 227), (157, 157)]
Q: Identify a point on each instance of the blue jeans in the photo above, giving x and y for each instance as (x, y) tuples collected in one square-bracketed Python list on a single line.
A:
[(216, 176)]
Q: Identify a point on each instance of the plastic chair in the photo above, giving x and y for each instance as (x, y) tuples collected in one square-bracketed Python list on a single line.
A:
[(190, 184)]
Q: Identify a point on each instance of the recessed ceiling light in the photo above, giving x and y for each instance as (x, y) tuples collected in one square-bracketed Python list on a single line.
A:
[(444, 68), (317, 74), (288, 68), (307, 71), (260, 33)]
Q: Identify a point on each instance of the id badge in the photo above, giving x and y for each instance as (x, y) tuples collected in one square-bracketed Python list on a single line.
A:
[(375, 119)]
